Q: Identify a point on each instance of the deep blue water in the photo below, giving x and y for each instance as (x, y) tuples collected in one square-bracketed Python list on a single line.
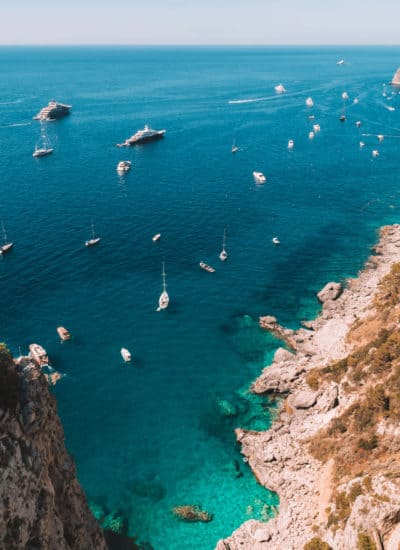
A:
[(151, 436)]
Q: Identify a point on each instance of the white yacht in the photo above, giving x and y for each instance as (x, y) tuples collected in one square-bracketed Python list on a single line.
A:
[(276, 241), (380, 137), (94, 240), (375, 153), (311, 135), (234, 148), (340, 62), (44, 147), (126, 355), (223, 254), (345, 96), (290, 144), (7, 245), (38, 354), (63, 333), (309, 102), (141, 136), (316, 128), (124, 166), (358, 123), (156, 237), (163, 301), (52, 111), (362, 144), (259, 177), (280, 89)]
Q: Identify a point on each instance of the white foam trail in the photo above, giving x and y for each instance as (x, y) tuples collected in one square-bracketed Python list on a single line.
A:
[(16, 124), (254, 100)]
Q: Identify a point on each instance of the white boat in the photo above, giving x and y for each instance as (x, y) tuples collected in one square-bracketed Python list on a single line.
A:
[(143, 136), (43, 148), (259, 177), (316, 128), (311, 117), (53, 111), (94, 240), (38, 354), (206, 267), (126, 355), (391, 109), (345, 95), (223, 254), (124, 166), (380, 137), (358, 123), (340, 62), (234, 148), (280, 89), (290, 144), (163, 300), (311, 135), (375, 153), (362, 144), (156, 237), (7, 245), (63, 333), (309, 102), (355, 100), (275, 240)]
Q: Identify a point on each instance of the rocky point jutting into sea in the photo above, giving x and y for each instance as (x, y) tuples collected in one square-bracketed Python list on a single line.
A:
[(41, 502), (332, 454)]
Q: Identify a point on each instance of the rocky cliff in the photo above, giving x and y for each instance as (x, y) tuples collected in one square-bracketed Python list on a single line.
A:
[(333, 452), (41, 502)]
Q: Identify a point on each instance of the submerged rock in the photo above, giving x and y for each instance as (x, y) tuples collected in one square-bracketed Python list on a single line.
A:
[(226, 408), (191, 512)]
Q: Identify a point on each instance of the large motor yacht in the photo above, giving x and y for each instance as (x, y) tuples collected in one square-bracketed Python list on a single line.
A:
[(52, 111), (141, 136)]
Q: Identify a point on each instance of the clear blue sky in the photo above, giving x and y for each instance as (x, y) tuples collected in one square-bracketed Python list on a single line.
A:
[(199, 21)]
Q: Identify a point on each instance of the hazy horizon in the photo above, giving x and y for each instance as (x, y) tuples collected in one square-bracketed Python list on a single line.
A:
[(213, 23)]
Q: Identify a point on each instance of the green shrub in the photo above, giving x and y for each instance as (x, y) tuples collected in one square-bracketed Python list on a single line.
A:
[(365, 542), (368, 444), (317, 544)]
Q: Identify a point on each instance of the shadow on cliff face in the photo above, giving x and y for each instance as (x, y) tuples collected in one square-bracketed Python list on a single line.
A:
[(116, 541)]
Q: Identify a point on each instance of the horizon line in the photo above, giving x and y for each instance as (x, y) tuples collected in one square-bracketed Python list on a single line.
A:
[(211, 45)]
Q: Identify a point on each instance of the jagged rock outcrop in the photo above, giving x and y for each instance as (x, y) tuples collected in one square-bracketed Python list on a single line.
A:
[(280, 458), (396, 78), (331, 291), (41, 502)]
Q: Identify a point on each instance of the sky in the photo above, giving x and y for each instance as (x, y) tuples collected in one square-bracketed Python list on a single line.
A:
[(199, 22)]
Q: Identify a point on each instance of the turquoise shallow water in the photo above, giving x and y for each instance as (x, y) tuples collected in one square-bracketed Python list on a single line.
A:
[(152, 435)]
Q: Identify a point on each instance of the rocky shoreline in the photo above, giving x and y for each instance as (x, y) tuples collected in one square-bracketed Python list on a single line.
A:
[(280, 458)]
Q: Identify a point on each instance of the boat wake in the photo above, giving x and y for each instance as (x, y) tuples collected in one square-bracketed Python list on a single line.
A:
[(14, 125), (254, 100)]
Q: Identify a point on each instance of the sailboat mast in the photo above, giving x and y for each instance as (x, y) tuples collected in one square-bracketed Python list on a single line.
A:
[(223, 240), (4, 232), (92, 228), (163, 276)]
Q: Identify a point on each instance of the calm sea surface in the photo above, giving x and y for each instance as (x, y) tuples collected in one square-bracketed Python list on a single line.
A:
[(159, 433)]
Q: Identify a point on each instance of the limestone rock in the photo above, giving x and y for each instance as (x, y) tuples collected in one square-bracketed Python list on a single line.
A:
[(331, 291), (305, 399), (282, 355), (396, 78)]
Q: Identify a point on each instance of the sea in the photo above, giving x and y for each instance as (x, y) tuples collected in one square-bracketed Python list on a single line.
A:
[(158, 433)]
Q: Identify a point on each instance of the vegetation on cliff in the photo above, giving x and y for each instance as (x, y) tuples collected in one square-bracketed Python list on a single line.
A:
[(360, 439)]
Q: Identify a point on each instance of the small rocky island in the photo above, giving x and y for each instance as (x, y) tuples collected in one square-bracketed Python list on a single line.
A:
[(333, 452)]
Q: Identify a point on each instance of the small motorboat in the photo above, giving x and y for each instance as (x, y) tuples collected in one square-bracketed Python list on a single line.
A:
[(38, 354), (124, 166), (311, 117), (345, 95), (7, 245), (126, 355), (276, 241), (309, 102), (356, 100), (280, 89), (63, 333), (316, 128), (380, 137), (156, 237), (358, 123), (340, 62), (206, 267), (259, 177), (234, 148), (375, 153), (391, 109), (362, 144), (342, 118), (290, 144), (311, 135)]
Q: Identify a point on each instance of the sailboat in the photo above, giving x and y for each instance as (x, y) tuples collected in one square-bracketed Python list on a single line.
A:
[(94, 240), (44, 148), (342, 117), (235, 148), (163, 301), (223, 255), (7, 245)]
